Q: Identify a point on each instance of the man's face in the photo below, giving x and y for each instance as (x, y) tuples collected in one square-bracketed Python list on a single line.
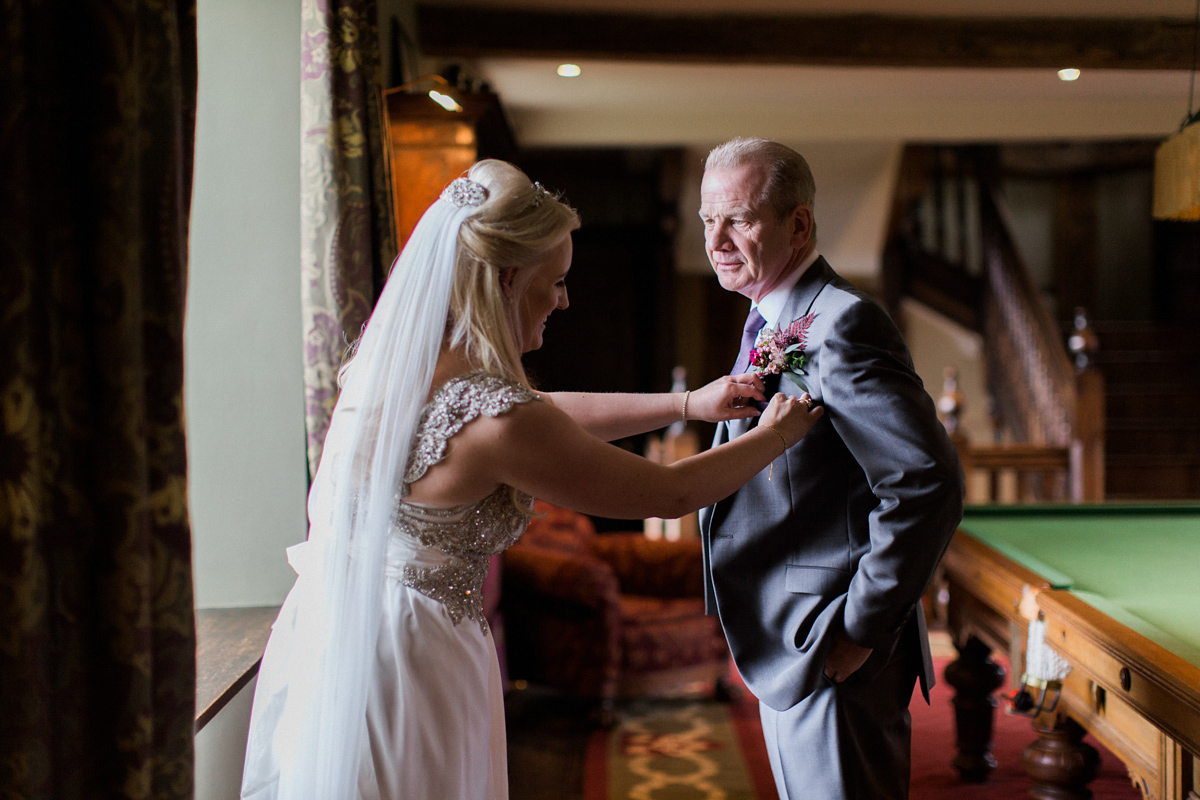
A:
[(750, 250)]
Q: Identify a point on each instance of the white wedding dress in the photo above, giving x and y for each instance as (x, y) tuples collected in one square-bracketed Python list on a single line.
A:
[(434, 727)]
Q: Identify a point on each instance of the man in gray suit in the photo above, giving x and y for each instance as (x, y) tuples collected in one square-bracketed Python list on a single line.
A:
[(817, 571)]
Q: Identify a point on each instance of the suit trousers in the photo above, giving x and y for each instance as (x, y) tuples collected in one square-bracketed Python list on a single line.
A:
[(850, 740)]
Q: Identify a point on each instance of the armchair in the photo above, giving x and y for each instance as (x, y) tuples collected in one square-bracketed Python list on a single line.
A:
[(609, 615)]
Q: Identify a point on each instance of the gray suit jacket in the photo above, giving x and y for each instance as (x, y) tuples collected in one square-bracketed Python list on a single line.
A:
[(849, 530)]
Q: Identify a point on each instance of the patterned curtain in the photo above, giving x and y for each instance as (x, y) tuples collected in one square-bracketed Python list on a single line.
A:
[(346, 229), (97, 645)]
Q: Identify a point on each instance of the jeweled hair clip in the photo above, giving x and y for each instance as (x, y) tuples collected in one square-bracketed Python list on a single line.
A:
[(539, 194), (465, 192)]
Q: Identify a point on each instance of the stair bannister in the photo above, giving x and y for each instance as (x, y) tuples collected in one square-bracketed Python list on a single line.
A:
[(1044, 397), (1053, 410), (1029, 370)]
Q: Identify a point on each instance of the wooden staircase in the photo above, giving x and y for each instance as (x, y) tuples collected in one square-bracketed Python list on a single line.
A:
[(1125, 418), (1152, 431), (951, 247)]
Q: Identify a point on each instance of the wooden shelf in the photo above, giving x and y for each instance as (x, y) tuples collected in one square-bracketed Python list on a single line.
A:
[(229, 648)]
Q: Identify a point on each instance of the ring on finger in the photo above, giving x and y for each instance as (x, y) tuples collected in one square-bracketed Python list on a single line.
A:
[(808, 403)]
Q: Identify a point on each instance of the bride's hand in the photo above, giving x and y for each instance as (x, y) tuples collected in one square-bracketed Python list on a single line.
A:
[(791, 416), (726, 398)]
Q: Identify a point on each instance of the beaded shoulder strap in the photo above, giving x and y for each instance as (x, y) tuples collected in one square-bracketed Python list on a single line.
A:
[(456, 403)]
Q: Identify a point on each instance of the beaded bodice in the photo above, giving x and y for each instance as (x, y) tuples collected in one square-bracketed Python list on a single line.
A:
[(466, 534)]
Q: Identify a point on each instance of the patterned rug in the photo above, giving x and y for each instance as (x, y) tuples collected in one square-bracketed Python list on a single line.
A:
[(680, 750), (705, 750)]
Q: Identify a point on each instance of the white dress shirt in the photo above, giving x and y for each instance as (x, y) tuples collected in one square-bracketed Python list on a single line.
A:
[(771, 306)]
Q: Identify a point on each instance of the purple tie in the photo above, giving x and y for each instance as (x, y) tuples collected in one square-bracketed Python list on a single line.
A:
[(754, 323)]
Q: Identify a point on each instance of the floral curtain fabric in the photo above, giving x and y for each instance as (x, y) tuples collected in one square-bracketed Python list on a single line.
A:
[(97, 647), (346, 229)]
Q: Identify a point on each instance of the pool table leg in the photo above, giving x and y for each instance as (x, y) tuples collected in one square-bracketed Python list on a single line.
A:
[(1060, 762), (974, 677)]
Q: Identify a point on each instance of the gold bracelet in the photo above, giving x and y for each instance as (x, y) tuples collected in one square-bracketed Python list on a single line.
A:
[(771, 474), (685, 399), (777, 433)]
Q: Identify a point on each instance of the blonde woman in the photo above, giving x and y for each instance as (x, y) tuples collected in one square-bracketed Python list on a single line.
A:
[(380, 679)]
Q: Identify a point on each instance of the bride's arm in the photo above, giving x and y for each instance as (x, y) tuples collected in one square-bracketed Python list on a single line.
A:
[(615, 416), (540, 450)]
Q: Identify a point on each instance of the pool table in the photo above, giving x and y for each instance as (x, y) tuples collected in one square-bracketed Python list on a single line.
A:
[(1118, 588)]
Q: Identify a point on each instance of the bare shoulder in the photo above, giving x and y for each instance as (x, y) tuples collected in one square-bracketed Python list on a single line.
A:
[(465, 430)]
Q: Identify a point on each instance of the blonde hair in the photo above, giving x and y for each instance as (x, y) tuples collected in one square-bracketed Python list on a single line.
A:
[(517, 224), (789, 181), (513, 228)]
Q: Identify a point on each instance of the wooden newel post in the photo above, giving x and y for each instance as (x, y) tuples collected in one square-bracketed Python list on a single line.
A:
[(677, 442), (950, 409), (1087, 435), (1087, 445)]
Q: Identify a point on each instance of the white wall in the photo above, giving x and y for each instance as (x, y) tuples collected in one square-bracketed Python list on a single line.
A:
[(221, 748), (243, 379), (936, 343)]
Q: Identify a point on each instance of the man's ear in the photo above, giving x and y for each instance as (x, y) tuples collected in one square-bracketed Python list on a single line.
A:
[(802, 226), (506, 281)]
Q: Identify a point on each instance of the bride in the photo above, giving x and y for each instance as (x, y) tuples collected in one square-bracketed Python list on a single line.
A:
[(380, 679)]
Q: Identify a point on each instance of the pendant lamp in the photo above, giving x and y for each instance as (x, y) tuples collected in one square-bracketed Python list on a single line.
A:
[(1177, 160)]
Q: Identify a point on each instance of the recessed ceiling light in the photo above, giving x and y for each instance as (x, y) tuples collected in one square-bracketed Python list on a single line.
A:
[(569, 70), (1069, 74)]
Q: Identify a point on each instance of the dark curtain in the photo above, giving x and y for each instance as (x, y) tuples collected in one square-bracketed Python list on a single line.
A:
[(97, 642)]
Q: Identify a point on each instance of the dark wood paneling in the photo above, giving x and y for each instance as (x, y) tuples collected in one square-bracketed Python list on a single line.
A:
[(618, 335), (1076, 238), (946, 288), (840, 40)]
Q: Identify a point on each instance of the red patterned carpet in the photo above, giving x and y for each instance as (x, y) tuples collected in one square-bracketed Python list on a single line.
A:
[(933, 745), (679, 750)]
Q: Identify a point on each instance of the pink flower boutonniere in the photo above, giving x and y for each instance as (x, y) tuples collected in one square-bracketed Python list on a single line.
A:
[(780, 351)]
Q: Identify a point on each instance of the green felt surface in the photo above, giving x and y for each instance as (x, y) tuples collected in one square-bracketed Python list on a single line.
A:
[(1138, 564)]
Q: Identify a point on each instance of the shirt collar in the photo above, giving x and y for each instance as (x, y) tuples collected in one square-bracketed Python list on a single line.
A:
[(771, 306)]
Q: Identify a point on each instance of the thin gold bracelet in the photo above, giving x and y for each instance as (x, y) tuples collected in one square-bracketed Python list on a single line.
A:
[(777, 433), (685, 399), (771, 474)]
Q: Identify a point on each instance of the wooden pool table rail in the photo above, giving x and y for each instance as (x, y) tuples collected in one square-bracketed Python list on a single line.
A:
[(1139, 699), (1136, 697)]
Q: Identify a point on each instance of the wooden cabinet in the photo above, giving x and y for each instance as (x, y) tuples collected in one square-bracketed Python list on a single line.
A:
[(427, 147)]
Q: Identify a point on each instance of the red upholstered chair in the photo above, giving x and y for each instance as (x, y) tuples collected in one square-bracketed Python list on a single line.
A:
[(607, 615)]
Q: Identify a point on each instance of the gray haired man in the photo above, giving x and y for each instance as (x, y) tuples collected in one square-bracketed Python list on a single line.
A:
[(817, 570)]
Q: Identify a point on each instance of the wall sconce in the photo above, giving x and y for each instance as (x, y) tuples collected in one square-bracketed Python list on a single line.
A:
[(443, 93)]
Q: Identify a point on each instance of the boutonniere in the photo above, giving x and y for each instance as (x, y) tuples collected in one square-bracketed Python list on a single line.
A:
[(780, 351)]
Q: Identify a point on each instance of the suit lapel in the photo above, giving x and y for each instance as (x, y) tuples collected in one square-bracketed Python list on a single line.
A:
[(802, 296)]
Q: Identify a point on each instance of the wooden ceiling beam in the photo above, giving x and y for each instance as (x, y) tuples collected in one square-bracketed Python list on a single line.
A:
[(830, 40)]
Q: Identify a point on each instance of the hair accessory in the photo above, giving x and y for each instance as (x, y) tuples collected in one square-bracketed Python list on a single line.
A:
[(465, 192), (539, 194)]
